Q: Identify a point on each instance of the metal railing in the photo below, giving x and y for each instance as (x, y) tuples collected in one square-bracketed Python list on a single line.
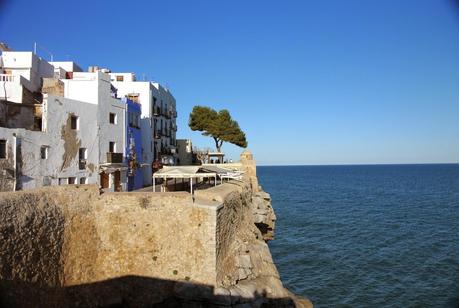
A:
[(114, 158)]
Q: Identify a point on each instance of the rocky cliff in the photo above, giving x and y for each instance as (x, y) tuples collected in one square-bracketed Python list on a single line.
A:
[(70, 246)]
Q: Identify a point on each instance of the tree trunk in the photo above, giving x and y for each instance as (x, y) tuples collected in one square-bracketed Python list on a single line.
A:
[(218, 144)]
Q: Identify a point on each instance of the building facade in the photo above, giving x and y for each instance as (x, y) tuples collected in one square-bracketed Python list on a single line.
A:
[(184, 152), (62, 152), (59, 126), (95, 88), (158, 120)]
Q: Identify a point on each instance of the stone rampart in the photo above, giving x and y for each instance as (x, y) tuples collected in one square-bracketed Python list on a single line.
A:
[(71, 246)]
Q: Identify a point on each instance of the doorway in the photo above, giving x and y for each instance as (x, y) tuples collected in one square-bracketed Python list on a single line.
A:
[(104, 180)]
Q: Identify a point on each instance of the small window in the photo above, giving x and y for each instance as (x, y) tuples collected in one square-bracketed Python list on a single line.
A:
[(83, 180), (82, 156), (2, 149), (112, 147), (112, 118), (72, 180), (119, 78), (46, 181), (44, 152), (63, 181), (82, 153), (37, 123), (74, 122)]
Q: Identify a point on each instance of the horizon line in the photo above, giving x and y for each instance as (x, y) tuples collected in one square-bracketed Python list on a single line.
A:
[(351, 164)]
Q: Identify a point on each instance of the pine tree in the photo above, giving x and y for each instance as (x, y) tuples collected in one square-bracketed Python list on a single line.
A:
[(218, 125)]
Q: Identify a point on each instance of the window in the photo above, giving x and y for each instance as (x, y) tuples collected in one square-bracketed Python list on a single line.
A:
[(82, 153), (37, 123), (46, 181), (82, 156), (74, 122), (63, 181), (2, 149), (44, 152), (154, 105), (119, 78), (111, 147), (83, 180), (133, 119), (72, 180), (112, 118)]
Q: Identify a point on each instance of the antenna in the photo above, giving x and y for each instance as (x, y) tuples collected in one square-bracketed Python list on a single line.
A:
[(35, 45)]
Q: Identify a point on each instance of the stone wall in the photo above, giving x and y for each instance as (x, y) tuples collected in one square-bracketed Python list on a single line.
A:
[(33, 230), (155, 235), (70, 246)]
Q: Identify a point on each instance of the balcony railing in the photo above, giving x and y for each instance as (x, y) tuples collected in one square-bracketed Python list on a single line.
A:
[(6, 77), (114, 158)]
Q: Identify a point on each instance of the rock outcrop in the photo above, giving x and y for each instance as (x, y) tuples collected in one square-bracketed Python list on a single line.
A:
[(69, 246)]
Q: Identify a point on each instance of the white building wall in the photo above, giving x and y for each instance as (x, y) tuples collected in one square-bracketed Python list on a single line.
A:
[(68, 66), (11, 88), (63, 145), (95, 88), (83, 87), (25, 70), (114, 77), (168, 104), (110, 132)]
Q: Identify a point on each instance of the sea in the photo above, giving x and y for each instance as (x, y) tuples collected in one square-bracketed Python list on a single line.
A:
[(367, 235)]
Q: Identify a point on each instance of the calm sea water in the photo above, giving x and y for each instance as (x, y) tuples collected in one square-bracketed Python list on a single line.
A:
[(367, 236)]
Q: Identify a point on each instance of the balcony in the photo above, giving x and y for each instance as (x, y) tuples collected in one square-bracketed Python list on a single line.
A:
[(165, 151), (6, 78), (114, 158)]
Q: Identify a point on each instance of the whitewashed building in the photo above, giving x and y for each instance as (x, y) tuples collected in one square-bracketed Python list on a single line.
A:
[(158, 122), (184, 152), (95, 88), (61, 153), (58, 125), (20, 76)]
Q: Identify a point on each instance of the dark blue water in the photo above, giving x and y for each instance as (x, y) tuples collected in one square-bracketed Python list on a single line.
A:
[(367, 236)]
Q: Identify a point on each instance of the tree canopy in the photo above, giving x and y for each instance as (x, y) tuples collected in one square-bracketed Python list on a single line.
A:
[(217, 124)]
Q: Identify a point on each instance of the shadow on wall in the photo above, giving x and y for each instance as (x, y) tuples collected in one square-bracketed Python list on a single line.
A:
[(127, 291)]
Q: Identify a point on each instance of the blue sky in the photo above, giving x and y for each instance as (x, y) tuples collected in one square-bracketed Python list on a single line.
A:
[(310, 82)]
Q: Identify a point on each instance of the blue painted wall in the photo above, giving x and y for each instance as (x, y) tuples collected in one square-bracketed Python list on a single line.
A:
[(133, 136)]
